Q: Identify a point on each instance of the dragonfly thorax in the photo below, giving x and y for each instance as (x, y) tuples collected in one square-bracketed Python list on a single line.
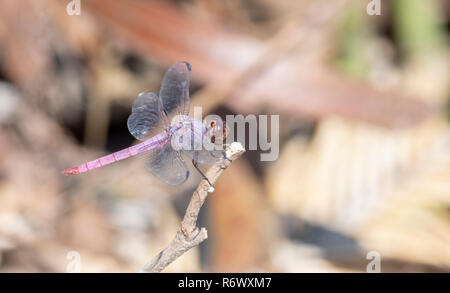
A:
[(187, 134)]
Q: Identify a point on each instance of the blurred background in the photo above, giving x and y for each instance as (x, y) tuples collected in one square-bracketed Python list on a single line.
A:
[(364, 163)]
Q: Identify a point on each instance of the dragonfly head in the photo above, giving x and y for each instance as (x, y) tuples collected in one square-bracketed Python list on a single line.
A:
[(217, 130)]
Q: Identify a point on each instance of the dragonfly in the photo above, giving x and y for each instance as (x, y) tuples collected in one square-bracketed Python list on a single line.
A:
[(160, 121)]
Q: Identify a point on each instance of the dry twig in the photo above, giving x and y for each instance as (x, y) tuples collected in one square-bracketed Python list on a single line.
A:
[(189, 235)]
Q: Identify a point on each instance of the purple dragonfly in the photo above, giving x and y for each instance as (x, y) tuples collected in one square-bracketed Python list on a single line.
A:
[(161, 121)]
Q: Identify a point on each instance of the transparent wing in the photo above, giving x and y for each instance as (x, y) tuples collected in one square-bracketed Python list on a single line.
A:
[(166, 164), (205, 156), (147, 117), (174, 91)]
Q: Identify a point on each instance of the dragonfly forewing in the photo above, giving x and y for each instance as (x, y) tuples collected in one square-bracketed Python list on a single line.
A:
[(174, 92)]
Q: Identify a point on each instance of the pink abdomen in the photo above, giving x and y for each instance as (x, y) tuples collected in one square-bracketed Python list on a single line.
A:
[(117, 156)]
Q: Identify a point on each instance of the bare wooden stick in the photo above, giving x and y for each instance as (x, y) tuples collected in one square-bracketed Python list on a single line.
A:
[(189, 235)]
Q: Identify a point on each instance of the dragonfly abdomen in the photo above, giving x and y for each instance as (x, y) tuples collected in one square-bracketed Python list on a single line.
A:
[(149, 144)]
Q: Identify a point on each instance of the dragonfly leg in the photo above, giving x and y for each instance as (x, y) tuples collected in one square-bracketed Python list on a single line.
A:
[(201, 172)]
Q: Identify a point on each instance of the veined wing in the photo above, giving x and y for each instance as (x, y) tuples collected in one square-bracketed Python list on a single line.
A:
[(204, 156), (166, 164), (147, 117), (174, 92), (149, 111)]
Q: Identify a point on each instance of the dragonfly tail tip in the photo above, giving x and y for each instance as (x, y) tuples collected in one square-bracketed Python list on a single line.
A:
[(71, 171)]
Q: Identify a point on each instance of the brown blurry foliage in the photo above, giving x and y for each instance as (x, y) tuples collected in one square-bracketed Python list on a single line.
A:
[(363, 164)]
